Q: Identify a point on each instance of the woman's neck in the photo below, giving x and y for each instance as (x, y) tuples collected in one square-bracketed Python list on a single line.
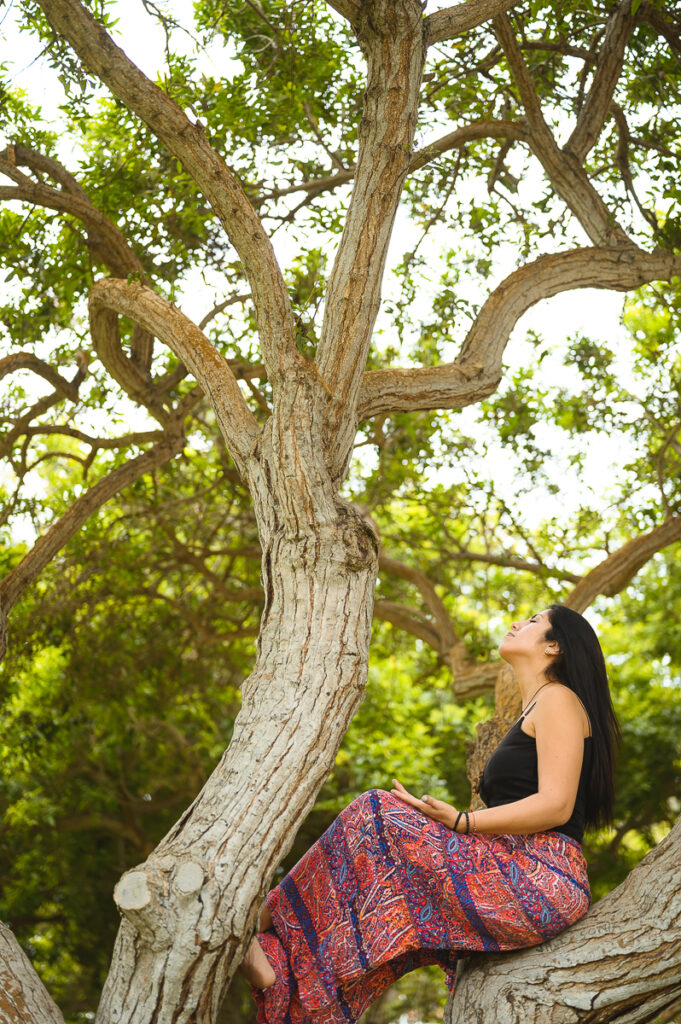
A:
[(529, 684)]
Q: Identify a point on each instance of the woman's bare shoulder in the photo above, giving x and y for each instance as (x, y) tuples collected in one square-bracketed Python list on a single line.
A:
[(560, 703)]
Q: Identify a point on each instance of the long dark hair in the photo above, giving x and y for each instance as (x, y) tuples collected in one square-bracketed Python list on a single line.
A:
[(580, 666)]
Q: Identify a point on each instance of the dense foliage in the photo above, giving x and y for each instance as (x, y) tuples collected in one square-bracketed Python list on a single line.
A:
[(121, 684)]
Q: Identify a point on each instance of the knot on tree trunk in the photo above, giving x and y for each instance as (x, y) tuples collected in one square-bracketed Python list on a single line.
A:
[(157, 898), (360, 539)]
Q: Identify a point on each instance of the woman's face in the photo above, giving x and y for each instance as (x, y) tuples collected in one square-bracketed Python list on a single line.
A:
[(526, 638)]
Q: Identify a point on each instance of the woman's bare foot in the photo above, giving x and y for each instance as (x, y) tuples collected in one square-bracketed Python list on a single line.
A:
[(256, 967)]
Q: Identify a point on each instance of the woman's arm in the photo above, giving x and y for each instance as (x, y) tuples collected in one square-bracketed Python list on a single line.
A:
[(558, 721)]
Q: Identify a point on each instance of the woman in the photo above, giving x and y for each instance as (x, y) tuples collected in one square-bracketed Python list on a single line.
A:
[(398, 882)]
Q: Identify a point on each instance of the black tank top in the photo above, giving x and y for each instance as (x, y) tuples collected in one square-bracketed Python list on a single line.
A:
[(511, 774)]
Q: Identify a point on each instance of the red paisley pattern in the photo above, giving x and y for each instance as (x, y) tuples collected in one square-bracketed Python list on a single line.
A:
[(386, 890)]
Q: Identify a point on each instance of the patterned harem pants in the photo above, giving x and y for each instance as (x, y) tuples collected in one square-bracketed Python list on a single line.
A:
[(386, 890)]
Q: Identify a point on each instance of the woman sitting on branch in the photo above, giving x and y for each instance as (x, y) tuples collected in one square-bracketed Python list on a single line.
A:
[(398, 882)]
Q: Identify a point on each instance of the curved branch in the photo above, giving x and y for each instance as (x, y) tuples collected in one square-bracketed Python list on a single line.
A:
[(476, 372), (53, 540), (452, 21), (111, 298), (407, 619), (511, 562), (106, 340), (106, 242), (447, 635), (28, 361), (613, 574), (188, 142)]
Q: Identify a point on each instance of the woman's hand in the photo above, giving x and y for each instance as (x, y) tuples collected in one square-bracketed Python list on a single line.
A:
[(438, 810)]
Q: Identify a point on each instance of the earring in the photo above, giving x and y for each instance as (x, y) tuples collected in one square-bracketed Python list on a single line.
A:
[(547, 650)]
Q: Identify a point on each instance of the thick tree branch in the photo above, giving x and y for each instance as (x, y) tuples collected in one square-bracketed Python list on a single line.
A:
[(392, 39), (476, 372), (452, 21), (583, 976), (563, 169), (110, 298), (613, 574), (23, 997), (106, 340), (187, 141), (608, 70)]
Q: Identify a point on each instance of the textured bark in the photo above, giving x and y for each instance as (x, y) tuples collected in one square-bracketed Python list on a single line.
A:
[(476, 371), (189, 910), (23, 997), (622, 962), (608, 69), (391, 36)]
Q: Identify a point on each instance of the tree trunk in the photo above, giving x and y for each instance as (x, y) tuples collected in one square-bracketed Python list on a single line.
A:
[(190, 910), (23, 997), (622, 962)]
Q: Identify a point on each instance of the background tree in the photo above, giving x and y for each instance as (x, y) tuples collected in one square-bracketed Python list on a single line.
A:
[(290, 437)]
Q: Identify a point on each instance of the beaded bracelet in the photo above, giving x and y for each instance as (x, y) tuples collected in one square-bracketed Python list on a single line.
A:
[(458, 819), (468, 822)]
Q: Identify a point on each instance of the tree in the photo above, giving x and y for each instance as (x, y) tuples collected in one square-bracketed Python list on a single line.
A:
[(189, 909)]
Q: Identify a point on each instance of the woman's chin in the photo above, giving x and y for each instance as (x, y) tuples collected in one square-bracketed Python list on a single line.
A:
[(503, 649)]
